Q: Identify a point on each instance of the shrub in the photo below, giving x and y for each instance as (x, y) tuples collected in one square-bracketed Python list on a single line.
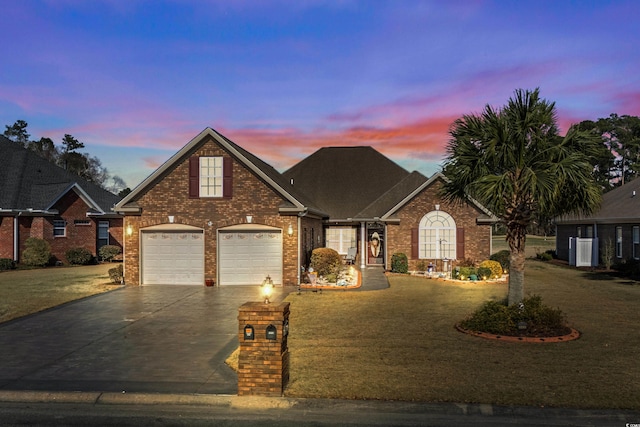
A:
[(629, 268), (494, 266), (37, 252), (466, 272), (544, 256), (7, 264), (325, 261), (108, 252), (484, 273), (399, 263), (116, 274), (78, 256), (503, 257), (498, 318)]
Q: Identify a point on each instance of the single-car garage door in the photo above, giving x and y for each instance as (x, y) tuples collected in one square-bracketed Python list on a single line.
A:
[(172, 257), (247, 257)]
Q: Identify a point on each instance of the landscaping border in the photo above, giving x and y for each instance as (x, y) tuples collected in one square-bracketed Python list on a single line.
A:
[(573, 335)]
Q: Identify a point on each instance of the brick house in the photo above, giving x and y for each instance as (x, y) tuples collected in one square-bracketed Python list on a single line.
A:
[(40, 199), (215, 211)]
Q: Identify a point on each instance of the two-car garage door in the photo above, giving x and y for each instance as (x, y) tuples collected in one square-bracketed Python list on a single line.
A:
[(176, 256)]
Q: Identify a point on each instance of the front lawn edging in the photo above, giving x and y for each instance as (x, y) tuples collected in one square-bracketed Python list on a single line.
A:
[(573, 335)]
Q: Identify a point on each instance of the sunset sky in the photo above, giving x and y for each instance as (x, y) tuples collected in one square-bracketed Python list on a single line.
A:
[(135, 80)]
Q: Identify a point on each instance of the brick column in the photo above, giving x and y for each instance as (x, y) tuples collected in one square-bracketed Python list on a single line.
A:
[(263, 362)]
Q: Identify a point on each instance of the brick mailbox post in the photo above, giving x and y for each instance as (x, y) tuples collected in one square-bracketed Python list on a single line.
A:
[(263, 362)]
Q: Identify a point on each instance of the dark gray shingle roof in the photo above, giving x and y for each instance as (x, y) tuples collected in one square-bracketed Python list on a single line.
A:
[(27, 181)]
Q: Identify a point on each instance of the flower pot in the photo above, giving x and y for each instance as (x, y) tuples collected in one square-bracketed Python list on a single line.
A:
[(209, 282)]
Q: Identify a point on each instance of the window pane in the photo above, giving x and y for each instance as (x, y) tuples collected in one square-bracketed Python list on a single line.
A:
[(211, 176)]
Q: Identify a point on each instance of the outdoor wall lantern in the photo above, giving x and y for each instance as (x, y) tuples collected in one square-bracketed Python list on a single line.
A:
[(267, 289), (290, 230), (437, 207), (171, 219), (129, 230), (249, 219)]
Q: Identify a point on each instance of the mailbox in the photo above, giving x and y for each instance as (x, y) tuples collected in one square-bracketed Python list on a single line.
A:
[(248, 333), (272, 333)]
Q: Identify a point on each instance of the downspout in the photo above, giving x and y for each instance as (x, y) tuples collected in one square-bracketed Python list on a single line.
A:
[(16, 238), (363, 246)]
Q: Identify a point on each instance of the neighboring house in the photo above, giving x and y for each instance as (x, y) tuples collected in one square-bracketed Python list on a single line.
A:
[(614, 228), (216, 211), (40, 199)]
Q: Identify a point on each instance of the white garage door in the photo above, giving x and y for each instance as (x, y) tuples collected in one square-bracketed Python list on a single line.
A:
[(172, 257), (247, 257)]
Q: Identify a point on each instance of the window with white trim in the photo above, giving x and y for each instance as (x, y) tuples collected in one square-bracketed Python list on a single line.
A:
[(211, 176), (618, 242), (341, 239), (59, 228), (636, 242), (103, 233), (437, 236)]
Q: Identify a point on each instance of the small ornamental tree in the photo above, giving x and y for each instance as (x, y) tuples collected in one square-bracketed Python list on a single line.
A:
[(399, 263)]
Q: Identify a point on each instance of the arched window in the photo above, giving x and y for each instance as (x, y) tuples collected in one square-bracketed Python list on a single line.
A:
[(437, 236)]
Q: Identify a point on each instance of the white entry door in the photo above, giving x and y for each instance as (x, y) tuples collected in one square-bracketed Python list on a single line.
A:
[(247, 257), (172, 257)]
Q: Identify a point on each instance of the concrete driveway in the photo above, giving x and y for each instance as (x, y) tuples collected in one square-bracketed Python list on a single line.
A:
[(160, 339)]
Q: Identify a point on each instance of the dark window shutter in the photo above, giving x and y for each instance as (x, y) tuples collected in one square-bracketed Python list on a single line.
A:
[(414, 244), (460, 243), (194, 177), (227, 177)]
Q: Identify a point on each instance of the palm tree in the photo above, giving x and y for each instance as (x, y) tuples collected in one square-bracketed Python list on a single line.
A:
[(513, 161)]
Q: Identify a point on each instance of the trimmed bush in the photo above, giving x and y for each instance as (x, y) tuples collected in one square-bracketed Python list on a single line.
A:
[(325, 261), (494, 266), (544, 256), (498, 318), (399, 263), (37, 252), (7, 264), (503, 257), (108, 252), (484, 273), (116, 274), (78, 256)]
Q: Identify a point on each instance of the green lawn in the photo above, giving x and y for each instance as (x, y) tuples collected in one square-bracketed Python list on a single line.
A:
[(24, 292), (534, 245), (400, 344)]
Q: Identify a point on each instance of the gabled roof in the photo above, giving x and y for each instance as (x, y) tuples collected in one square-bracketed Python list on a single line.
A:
[(621, 205), (343, 181), (293, 200), (30, 183), (487, 217)]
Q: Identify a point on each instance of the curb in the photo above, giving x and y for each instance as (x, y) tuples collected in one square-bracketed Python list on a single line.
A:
[(112, 398)]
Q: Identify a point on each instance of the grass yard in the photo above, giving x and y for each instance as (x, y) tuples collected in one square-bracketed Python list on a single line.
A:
[(400, 344), (535, 244), (24, 292)]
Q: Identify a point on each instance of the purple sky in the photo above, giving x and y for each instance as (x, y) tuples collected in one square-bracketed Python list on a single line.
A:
[(135, 80)]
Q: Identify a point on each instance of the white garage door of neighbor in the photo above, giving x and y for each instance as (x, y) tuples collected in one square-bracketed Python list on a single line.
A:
[(247, 257), (172, 257)]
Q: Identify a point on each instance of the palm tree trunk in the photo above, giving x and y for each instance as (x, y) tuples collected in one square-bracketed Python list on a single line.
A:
[(516, 277)]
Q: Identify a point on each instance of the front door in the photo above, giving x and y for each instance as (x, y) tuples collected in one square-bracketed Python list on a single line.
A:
[(375, 244)]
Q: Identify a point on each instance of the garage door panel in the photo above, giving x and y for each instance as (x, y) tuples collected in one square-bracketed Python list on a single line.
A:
[(173, 257), (247, 257)]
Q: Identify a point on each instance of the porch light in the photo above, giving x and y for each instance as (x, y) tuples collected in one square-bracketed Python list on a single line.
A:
[(129, 230), (290, 230), (267, 289), (171, 219), (249, 218)]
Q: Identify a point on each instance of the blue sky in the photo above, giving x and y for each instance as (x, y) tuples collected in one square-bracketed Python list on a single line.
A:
[(135, 80)]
